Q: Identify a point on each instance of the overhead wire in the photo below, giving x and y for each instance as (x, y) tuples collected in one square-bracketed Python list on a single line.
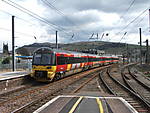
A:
[(141, 19), (54, 1), (5, 29), (125, 13), (19, 19), (34, 15), (59, 27), (57, 10), (30, 23), (136, 23), (15, 5), (132, 21), (123, 37), (128, 9), (50, 5)]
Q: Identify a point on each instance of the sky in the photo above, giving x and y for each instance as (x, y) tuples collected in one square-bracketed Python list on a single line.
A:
[(36, 21)]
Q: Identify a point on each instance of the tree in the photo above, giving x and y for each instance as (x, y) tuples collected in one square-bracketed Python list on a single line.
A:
[(6, 60), (23, 51)]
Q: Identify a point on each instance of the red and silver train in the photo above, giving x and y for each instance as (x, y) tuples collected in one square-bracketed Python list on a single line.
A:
[(49, 64)]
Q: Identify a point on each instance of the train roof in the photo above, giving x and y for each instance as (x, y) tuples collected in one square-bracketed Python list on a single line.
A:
[(72, 52)]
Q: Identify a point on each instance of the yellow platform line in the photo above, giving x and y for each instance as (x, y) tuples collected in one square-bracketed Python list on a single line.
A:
[(75, 105), (100, 105)]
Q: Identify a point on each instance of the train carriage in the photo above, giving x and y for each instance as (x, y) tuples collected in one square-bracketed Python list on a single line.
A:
[(49, 64)]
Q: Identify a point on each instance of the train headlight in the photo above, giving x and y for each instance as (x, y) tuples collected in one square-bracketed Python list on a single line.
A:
[(48, 67)]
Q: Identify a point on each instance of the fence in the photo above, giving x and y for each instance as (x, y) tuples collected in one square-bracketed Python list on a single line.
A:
[(19, 66)]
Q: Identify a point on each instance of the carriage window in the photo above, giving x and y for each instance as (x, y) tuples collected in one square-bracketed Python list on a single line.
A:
[(45, 59), (61, 60), (70, 60)]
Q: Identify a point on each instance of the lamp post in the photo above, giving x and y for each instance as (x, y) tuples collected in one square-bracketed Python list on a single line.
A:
[(13, 45), (140, 46)]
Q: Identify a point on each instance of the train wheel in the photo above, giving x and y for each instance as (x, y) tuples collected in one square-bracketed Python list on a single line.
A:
[(56, 77), (62, 75)]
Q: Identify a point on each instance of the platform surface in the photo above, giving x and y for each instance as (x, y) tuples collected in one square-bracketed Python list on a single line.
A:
[(86, 104), (10, 75)]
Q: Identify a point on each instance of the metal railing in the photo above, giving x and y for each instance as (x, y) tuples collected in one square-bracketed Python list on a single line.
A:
[(19, 66)]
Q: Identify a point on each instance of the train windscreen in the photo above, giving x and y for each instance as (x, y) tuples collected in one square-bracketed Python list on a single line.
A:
[(43, 58)]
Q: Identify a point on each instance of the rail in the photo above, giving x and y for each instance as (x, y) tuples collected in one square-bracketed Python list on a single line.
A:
[(52, 94), (106, 85), (130, 91), (141, 83), (134, 76), (127, 90)]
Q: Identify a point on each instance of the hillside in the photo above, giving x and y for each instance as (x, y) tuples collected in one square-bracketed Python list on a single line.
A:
[(108, 47)]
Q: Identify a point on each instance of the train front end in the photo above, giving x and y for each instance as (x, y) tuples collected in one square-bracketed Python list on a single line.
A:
[(44, 65)]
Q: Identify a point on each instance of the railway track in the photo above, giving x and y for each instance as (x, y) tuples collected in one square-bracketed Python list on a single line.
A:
[(139, 76), (6, 96), (137, 86), (138, 71), (115, 87), (34, 98)]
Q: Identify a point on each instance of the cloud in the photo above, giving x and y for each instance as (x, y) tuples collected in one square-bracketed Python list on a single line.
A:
[(81, 18), (26, 27), (118, 6), (99, 16)]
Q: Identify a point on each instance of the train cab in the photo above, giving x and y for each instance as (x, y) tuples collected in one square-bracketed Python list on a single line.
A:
[(43, 64)]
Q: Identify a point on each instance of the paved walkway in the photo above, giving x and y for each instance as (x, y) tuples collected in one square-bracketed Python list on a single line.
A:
[(9, 75)]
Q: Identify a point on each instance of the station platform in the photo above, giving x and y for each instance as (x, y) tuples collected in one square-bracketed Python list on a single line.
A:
[(11, 75), (86, 104)]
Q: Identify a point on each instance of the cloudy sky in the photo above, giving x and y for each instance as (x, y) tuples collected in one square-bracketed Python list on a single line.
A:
[(75, 20)]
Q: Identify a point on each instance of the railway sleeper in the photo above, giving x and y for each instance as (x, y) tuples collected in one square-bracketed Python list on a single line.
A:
[(119, 93), (131, 101), (135, 104), (147, 95), (142, 110)]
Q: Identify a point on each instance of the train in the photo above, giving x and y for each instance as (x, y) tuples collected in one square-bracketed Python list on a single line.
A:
[(52, 64)]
